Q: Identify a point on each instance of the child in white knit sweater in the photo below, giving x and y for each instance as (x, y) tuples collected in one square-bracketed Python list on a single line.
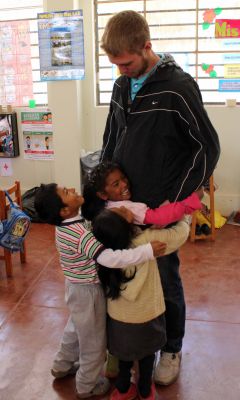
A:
[(135, 323)]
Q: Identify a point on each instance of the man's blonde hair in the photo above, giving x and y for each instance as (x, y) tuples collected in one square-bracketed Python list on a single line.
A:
[(127, 31)]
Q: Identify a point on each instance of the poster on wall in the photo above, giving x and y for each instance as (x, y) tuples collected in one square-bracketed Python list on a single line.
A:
[(232, 71), (229, 85), (9, 146), (37, 135), (227, 28), (16, 86), (61, 45)]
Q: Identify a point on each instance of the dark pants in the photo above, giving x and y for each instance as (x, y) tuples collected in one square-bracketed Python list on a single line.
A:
[(174, 300), (145, 375)]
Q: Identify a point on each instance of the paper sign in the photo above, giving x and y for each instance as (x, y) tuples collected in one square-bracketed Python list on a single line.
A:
[(229, 85), (6, 167), (37, 135), (225, 28), (231, 58), (232, 71)]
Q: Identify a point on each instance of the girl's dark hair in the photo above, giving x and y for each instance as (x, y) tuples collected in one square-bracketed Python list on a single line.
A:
[(92, 203), (116, 233), (48, 204), (96, 183)]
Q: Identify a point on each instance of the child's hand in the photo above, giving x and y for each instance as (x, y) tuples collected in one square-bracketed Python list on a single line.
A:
[(124, 213), (159, 248)]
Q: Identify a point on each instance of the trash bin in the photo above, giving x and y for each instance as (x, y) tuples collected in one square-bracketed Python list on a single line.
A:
[(87, 163)]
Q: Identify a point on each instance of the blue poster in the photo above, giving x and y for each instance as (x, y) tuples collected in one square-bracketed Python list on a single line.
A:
[(229, 85), (61, 45)]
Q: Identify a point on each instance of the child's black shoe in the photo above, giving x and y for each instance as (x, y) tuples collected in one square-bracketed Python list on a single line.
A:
[(198, 231), (205, 229)]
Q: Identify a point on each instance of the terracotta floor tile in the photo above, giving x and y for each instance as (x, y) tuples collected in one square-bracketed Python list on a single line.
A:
[(33, 315)]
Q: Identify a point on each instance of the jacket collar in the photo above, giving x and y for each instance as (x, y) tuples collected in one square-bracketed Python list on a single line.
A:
[(161, 73)]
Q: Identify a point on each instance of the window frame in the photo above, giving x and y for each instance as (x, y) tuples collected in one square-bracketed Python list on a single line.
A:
[(198, 53), (35, 9)]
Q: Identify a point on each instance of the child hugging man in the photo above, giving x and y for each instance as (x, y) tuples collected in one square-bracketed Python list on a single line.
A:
[(83, 345)]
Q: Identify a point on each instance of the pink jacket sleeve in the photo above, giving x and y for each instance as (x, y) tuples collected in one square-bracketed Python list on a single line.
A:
[(172, 212)]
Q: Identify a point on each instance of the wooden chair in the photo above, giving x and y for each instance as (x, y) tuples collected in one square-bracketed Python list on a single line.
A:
[(193, 236), (15, 193)]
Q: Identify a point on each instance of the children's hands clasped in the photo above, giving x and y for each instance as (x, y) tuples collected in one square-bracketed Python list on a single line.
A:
[(159, 248)]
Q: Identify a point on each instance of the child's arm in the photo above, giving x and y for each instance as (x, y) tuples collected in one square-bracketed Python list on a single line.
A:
[(123, 258), (174, 237), (138, 209), (90, 246), (173, 212)]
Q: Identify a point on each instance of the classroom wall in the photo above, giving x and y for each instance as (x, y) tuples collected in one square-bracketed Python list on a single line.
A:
[(78, 127)]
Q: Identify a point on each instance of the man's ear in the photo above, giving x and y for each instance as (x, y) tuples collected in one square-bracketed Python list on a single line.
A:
[(102, 195), (64, 212), (148, 45)]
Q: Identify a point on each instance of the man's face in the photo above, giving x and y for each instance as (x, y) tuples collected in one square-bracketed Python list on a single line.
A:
[(133, 65)]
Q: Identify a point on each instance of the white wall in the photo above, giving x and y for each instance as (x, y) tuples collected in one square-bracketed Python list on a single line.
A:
[(226, 121), (78, 124)]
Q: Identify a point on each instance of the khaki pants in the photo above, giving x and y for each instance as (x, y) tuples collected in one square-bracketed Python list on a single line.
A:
[(84, 336)]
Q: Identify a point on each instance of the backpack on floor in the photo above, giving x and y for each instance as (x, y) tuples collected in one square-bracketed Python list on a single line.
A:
[(28, 206), (13, 230)]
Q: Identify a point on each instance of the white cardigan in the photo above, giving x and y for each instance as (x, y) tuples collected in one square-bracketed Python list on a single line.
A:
[(141, 299)]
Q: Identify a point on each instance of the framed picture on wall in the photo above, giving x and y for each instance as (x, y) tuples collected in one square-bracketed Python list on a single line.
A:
[(9, 145)]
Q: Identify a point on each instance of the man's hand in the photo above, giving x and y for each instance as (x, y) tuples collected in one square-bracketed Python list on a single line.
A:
[(159, 248)]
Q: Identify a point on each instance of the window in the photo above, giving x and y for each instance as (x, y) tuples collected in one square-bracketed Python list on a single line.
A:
[(15, 10), (186, 29)]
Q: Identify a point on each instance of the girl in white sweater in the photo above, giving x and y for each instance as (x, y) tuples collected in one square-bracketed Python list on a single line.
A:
[(136, 323)]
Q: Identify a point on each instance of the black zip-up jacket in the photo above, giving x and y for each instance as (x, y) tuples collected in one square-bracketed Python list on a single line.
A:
[(163, 139)]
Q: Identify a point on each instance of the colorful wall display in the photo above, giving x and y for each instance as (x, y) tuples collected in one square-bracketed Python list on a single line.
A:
[(209, 16), (232, 71), (9, 146), (61, 45), (227, 28), (229, 85), (227, 64), (16, 86), (37, 135), (209, 69)]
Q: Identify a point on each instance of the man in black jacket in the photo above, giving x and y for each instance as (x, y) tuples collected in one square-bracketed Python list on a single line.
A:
[(159, 132)]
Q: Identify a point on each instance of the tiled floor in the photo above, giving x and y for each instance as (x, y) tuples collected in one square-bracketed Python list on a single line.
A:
[(33, 314)]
